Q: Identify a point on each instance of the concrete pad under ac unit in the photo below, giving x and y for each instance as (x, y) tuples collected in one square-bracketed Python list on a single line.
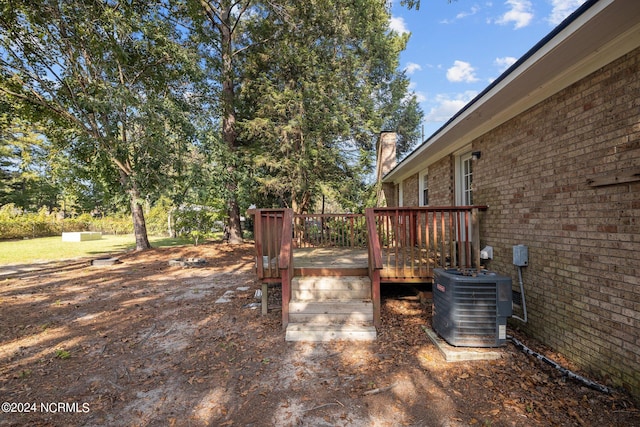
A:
[(461, 354)]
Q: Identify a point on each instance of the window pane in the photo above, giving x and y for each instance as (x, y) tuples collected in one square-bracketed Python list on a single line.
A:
[(467, 180), (425, 190)]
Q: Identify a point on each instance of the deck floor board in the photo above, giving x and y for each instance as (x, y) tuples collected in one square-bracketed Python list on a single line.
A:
[(330, 258)]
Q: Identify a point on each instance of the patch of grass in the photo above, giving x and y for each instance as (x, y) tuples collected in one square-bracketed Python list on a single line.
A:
[(62, 354), (53, 248)]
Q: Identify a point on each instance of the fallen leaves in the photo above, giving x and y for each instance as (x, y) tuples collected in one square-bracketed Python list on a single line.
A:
[(154, 363)]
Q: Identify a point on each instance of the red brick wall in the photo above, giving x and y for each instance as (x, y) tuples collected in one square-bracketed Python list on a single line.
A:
[(441, 182), (441, 185), (582, 284), (410, 191)]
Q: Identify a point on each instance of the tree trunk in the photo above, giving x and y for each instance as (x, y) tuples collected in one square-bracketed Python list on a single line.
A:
[(235, 227), (139, 224), (300, 202), (229, 134)]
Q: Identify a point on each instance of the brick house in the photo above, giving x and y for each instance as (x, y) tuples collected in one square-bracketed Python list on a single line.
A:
[(553, 148)]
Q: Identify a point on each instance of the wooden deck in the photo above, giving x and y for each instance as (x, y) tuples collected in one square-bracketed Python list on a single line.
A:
[(330, 261), (397, 268), (389, 245)]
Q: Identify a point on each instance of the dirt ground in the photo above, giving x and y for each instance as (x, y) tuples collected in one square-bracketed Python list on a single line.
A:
[(144, 343)]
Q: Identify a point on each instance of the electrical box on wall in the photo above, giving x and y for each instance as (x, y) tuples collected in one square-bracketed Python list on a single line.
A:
[(520, 255)]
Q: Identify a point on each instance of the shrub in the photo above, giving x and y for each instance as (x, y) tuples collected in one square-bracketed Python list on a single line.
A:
[(158, 217), (197, 222), (15, 224)]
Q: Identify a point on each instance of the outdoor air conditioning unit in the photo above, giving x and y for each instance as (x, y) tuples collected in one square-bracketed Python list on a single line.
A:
[(470, 307)]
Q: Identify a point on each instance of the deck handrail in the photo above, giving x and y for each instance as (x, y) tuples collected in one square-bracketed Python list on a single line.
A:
[(373, 245), (416, 239), (329, 230), (433, 208), (267, 235), (285, 262), (375, 263)]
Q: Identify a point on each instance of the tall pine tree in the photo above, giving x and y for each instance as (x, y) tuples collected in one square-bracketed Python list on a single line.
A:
[(316, 94)]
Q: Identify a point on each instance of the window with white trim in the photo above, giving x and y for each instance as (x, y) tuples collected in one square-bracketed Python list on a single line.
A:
[(464, 187), (423, 188), (464, 180)]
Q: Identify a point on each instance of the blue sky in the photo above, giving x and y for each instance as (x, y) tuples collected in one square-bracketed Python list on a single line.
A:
[(457, 49)]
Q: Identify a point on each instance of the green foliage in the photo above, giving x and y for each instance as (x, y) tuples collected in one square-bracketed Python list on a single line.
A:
[(410, 4), (110, 107), (25, 168), (62, 354), (316, 94), (16, 224), (112, 224), (112, 82), (157, 217), (197, 222)]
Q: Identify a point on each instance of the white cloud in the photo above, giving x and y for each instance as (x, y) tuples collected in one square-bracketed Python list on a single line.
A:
[(561, 9), (420, 97), (447, 105), (474, 9), (461, 72), (412, 67), (504, 62), (521, 13), (397, 24)]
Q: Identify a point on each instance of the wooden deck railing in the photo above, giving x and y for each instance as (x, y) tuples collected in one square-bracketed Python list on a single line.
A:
[(410, 242), (285, 262), (415, 240), (375, 264), (330, 230), (267, 230)]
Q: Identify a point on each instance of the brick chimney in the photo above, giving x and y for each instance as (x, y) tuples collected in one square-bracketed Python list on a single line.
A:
[(385, 161)]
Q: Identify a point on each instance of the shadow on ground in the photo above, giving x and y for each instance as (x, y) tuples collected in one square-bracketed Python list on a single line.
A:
[(143, 343)]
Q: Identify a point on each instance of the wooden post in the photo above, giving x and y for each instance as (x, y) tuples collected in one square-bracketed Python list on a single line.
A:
[(257, 229), (375, 297), (286, 297), (475, 226), (375, 263), (286, 263), (265, 298)]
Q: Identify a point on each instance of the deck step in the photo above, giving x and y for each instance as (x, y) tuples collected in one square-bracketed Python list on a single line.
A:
[(331, 271), (331, 307), (322, 288), (332, 311), (316, 332)]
